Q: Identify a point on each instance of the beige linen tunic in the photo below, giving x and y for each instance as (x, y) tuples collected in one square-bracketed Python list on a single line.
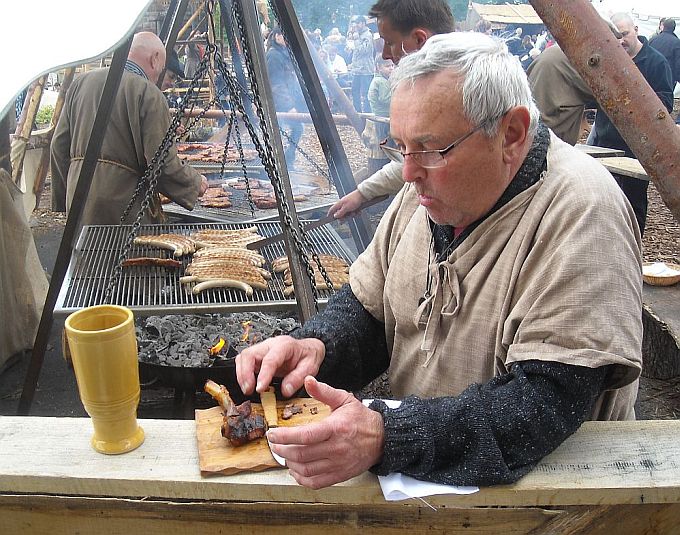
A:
[(139, 121), (560, 93), (553, 275)]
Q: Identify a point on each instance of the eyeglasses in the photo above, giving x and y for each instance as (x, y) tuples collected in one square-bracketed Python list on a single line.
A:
[(429, 159)]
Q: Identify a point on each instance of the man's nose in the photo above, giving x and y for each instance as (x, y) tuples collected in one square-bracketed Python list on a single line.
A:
[(411, 171), (387, 52)]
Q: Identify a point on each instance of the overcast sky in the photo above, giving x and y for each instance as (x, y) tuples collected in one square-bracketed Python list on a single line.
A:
[(645, 12)]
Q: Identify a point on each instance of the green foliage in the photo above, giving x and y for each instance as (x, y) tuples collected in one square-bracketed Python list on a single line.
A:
[(44, 115)]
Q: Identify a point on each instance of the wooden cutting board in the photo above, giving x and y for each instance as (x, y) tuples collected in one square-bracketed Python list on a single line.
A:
[(217, 456)]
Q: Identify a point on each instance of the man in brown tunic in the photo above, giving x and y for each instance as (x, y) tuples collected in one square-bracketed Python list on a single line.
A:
[(139, 121), (501, 292)]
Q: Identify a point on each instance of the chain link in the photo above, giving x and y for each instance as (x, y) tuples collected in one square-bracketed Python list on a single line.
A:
[(307, 157)]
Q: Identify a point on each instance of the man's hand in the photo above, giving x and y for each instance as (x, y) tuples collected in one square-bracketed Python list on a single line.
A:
[(204, 186), (347, 205), (281, 356), (342, 446)]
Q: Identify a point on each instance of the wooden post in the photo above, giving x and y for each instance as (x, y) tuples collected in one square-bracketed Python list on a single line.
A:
[(190, 21), (39, 182), (25, 124), (620, 89)]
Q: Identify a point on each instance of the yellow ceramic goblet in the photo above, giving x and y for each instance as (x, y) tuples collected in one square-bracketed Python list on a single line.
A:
[(103, 348)]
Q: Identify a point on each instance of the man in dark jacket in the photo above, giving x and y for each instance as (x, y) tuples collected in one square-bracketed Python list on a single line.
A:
[(668, 44), (285, 89), (657, 72)]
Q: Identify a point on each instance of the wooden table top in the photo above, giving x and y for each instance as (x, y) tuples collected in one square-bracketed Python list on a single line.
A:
[(599, 152), (629, 167), (602, 463)]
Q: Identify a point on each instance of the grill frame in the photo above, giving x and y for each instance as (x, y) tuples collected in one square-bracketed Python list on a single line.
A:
[(149, 290)]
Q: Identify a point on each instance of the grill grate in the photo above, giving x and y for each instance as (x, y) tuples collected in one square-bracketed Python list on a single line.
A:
[(239, 211), (154, 290)]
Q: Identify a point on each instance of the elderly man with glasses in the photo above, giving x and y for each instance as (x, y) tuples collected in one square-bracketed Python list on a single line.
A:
[(502, 292)]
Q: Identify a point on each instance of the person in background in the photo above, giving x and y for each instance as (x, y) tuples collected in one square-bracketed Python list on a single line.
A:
[(174, 74), (174, 71), (657, 72), (139, 121), (514, 42), (363, 66), (380, 95), (285, 89), (404, 26), (315, 37), (668, 44), (560, 93), (193, 54), (335, 38), (337, 66), (478, 293), (525, 52)]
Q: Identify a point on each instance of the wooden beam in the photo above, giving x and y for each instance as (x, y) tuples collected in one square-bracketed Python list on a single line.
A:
[(32, 514), (41, 173), (603, 463), (25, 125)]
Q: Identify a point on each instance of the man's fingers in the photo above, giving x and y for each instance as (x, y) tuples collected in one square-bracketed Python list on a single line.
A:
[(332, 397), (301, 435), (247, 365), (271, 361)]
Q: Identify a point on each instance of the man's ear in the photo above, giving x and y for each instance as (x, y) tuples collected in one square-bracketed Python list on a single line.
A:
[(155, 60), (515, 129), (420, 36)]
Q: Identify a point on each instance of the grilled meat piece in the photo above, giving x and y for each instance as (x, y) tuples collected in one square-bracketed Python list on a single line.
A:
[(239, 425), (289, 410), (216, 202), (152, 261)]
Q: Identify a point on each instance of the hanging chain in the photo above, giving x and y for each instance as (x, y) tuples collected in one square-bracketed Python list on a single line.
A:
[(307, 157), (305, 238), (233, 129)]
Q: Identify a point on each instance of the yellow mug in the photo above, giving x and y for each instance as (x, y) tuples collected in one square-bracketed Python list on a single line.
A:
[(103, 349)]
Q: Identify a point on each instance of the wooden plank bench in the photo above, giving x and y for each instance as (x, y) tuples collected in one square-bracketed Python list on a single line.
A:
[(622, 476), (627, 167), (599, 152)]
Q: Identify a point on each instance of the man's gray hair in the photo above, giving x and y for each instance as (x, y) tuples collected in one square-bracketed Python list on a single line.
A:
[(622, 17), (492, 80)]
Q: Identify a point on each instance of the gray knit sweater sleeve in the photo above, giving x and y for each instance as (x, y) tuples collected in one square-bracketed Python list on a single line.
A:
[(356, 347), (490, 434)]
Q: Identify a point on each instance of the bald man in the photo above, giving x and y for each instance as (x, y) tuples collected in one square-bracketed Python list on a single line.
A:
[(139, 121)]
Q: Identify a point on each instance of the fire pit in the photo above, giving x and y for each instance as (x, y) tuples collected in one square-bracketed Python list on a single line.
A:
[(183, 351)]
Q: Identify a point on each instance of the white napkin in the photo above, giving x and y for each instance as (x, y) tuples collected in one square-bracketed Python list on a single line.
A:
[(397, 486)]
